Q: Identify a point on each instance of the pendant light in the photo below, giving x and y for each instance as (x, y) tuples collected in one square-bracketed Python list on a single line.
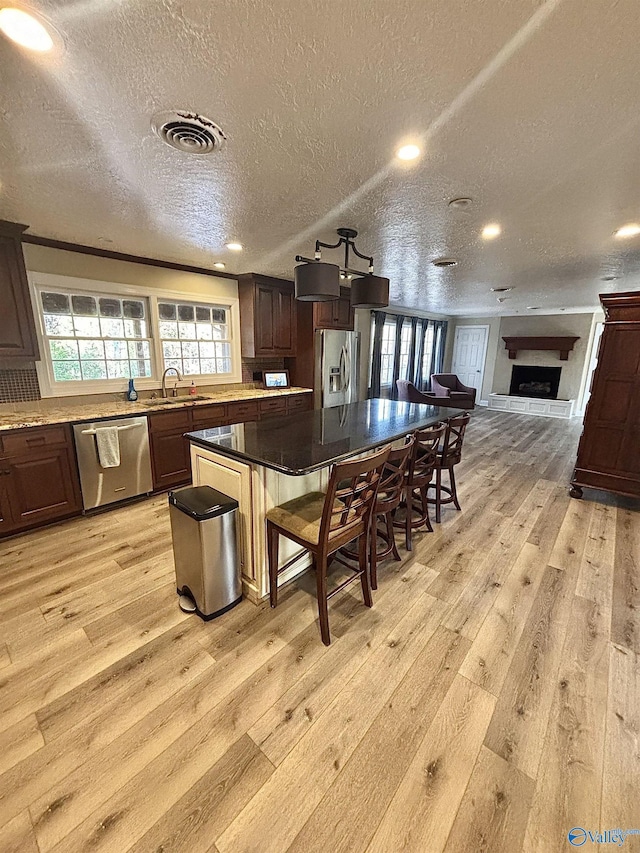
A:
[(316, 281), (370, 291)]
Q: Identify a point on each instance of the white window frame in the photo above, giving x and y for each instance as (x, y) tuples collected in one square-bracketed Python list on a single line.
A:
[(49, 387)]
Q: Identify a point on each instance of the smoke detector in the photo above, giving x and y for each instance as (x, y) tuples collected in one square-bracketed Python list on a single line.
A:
[(188, 132)]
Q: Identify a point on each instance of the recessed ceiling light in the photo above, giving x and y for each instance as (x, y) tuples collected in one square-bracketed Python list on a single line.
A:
[(501, 289), (444, 262), (491, 231), (461, 203), (408, 152), (533, 307), (235, 247), (630, 230), (609, 277), (219, 265), (25, 29)]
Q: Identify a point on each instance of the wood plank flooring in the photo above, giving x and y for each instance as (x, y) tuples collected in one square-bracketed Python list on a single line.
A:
[(489, 701)]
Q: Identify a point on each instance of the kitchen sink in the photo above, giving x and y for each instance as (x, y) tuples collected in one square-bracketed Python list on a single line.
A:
[(174, 401)]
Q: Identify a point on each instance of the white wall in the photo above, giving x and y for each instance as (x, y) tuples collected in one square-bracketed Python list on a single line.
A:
[(48, 260)]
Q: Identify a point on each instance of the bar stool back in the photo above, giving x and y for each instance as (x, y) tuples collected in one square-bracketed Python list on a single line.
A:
[(391, 492), (448, 457), (419, 474), (324, 523)]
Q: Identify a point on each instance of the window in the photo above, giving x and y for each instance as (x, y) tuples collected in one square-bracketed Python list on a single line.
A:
[(90, 337), (420, 351), (387, 352), (195, 338), (94, 335), (405, 348)]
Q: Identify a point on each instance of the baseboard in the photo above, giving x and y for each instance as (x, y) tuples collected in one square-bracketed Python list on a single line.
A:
[(483, 402)]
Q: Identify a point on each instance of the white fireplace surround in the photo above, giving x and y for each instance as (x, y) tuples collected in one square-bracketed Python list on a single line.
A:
[(532, 406)]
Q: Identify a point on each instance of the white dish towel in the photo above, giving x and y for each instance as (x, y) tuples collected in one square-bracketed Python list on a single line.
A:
[(108, 444)]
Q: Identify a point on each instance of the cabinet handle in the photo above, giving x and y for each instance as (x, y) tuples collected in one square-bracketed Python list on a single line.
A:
[(40, 439)]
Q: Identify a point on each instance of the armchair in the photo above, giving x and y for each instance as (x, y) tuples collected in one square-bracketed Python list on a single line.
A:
[(448, 385), (408, 393)]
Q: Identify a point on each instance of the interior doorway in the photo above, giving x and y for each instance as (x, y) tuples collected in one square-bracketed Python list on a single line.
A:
[(469, 355)]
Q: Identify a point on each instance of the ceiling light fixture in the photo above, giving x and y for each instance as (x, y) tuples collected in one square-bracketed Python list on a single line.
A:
[(25, 29), (630, 230), (219, 265), (234, 247), (316, 281), (408, 152), (491, 231), (444, 262)]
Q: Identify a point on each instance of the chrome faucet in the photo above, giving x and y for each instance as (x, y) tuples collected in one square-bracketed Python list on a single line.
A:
[(164, 381)]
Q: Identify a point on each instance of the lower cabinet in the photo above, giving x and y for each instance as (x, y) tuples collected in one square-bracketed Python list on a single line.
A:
[(169, 448), (170, 459), (38, 478)]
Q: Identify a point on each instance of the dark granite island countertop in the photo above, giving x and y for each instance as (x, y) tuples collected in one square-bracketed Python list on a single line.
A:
[(308, 441)]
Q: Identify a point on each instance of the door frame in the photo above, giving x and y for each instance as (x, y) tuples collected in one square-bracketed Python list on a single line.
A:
[(487, 329)]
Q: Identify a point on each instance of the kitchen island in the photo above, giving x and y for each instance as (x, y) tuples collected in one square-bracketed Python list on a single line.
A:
[(265, 463)]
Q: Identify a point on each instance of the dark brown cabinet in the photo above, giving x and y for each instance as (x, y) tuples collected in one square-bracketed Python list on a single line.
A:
[(336, 314), (267, 316), (17, 327), (609, 448), (170, 452), (170, 462), (38, 478)]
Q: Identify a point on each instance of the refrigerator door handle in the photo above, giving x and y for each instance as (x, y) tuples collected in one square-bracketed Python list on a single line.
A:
[(347, 369), (342, 369)]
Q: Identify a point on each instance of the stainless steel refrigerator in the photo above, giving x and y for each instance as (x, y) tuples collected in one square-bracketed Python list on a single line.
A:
[(337, 357)]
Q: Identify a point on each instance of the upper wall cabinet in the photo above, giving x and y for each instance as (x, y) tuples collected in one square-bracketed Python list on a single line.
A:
[(17, 328), (267, 316), (335, 314)]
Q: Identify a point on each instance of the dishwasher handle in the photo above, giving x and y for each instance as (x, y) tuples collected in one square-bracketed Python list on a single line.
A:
[(120, 429)]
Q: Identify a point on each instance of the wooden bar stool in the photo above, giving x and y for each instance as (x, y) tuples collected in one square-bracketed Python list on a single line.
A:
[(419, 473), (324, 523), (449, 456), (391, 492)]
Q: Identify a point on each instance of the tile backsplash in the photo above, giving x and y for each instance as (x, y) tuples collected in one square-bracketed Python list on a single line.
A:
[(19, 384)]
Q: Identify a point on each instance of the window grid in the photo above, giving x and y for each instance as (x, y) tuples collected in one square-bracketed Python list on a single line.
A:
[(195, 338), (96, 336), (405, 346)]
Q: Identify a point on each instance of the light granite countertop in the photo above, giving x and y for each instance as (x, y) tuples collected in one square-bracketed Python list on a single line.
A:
[(56, 411)]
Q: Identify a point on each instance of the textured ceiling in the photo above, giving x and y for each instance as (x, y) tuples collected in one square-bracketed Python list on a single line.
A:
[(529, 107)]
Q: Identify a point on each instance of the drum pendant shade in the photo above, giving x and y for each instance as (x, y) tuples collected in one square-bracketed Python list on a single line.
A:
[(370, 291), (317, 282)]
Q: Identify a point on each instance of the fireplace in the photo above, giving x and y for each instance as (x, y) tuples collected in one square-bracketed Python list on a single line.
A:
[(542, 382)]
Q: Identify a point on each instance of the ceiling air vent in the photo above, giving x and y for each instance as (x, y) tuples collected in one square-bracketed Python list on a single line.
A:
[(188, 132), (444, 262)]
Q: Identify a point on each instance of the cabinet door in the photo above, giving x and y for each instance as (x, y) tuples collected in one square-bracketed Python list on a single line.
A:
[(17, 328), (42, 486), (325, 314), (6, 521), (170, 459), (344, 318), (265, 313), (284, 322)]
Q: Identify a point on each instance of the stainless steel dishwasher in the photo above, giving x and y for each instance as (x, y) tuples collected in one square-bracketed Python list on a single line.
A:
[(100, 485)]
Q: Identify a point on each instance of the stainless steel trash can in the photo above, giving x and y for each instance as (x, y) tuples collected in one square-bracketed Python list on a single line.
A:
[(205, 550)]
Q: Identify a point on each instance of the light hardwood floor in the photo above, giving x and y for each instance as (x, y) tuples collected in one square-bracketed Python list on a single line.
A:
[(489, 701)]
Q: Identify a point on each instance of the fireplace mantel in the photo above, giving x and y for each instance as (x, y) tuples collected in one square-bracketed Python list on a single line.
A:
[(518, 342)]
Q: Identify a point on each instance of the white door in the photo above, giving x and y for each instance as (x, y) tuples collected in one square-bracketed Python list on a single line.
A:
[(592, 366), (469, 354)]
